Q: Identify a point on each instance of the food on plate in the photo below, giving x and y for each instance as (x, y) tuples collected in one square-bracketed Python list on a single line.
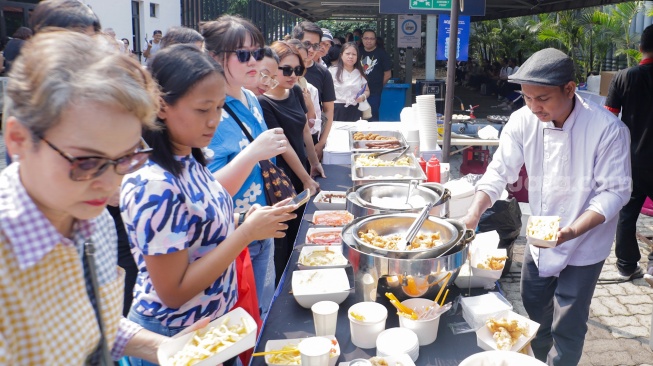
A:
[(332, 198), (378, 361), (333, 218), (396, 176), (293, 357), (506, 332), (324, 237), (493, 263), (414, 201), (422, 240), (369, 160), (206, 343), (357, 316), (326, 257), (543, 228), (358, 136), (384, 144)]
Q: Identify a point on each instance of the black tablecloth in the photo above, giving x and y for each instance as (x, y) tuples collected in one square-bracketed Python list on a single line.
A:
[(287, 319)]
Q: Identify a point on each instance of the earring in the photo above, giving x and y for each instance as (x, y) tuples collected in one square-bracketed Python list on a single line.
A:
[(15, 158)]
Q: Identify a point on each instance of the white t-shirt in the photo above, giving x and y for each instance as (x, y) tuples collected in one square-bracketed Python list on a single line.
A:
[(351, 84)]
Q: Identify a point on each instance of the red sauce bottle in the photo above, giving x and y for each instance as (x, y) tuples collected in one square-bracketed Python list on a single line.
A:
[(422, 164), (433, 170)]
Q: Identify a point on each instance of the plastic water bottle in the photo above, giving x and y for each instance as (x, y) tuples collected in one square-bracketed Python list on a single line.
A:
[(433, 170)]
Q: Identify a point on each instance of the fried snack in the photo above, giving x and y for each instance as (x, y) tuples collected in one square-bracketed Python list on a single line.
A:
[(543, 229), (367, 160), (205, 344), (493, 263), (378, 361), (357, 316), (359, 136), (506, 332), (291, 358), (421, 241), (384, 144)]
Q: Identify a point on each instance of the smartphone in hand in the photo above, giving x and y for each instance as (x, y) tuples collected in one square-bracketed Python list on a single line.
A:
[(300, 199)]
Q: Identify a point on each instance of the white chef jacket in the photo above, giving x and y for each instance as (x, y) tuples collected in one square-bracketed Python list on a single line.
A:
[(585, 165)]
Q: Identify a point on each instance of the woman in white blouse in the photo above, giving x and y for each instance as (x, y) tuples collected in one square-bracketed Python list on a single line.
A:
[(348, 80)]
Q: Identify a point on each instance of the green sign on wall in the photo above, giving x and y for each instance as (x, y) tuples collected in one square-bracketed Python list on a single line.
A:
[(430, 4)]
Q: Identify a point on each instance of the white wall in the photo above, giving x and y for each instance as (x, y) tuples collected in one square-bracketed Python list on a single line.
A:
[(117, 14)]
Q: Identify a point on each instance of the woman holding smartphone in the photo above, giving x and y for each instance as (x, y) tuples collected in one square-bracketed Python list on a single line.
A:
[(349, 80), (285, 107), (180, 220)]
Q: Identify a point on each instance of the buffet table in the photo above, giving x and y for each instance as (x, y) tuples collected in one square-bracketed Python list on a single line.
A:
[(287, 319), (337, 150)]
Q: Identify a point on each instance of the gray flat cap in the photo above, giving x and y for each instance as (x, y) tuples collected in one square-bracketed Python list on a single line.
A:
[(549, 67)]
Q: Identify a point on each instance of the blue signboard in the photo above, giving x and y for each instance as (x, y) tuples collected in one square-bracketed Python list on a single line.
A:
[(472, 7), (444, 28)]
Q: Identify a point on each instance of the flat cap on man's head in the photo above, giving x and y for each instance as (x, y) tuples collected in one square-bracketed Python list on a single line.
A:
[(549, 67)]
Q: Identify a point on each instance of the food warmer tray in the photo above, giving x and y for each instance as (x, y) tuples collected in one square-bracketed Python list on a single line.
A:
[(359, 145)]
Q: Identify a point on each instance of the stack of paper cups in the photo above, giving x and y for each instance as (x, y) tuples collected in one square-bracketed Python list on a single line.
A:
[(427, 121)]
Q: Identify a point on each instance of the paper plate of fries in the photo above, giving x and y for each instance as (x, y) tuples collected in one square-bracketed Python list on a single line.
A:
[(509, 333), (294, 358), (488, 263), (542, 231), (221, 340)]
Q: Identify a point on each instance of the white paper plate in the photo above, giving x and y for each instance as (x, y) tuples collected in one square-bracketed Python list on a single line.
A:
[(236, 316), (316, 230), (319, 213), (335, 204), (484, 336), (392, 361), (277, 344), (307, 250)]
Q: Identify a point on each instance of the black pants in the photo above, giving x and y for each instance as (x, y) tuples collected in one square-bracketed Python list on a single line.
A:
[(626, 247)]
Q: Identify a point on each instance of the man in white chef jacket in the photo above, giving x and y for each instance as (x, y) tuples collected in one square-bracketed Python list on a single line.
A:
[(577, 158)]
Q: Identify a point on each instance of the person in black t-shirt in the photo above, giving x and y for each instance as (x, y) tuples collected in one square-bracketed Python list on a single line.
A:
[(318, 76), (284, 107), (376, 63), (631, 93)]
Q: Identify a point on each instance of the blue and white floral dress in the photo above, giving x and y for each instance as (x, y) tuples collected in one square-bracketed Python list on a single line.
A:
[(165, 214)]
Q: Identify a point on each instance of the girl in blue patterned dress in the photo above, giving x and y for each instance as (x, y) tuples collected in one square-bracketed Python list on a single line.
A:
[(180, 220)]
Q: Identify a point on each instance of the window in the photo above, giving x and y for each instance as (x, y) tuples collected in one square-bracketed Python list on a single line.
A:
[(154, 10)]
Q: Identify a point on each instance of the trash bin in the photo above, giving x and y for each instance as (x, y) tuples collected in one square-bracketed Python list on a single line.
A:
[(393, 100)]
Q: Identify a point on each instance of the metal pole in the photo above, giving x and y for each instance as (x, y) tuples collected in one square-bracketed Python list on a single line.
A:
[(451, 74)]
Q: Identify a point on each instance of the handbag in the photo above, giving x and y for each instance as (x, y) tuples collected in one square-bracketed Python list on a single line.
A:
[(278, 186), (247, 298)]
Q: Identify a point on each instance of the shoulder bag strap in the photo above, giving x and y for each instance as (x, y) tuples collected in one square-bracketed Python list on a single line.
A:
[(89, 255), (235, 117)]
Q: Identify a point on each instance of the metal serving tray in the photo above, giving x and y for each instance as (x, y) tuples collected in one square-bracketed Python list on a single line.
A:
[(359, 145), (369, 174)]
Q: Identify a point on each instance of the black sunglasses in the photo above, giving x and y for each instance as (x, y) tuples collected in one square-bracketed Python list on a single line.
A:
[(314, 46), (89, 167), (244, 55), (288, 70)]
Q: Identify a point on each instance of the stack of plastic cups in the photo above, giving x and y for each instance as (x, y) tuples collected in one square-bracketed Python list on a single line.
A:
[(428, 128)]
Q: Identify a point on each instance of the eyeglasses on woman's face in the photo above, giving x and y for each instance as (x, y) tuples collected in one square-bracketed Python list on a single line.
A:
[(88, 167), (268, 80), (244, 55), (288, 70)]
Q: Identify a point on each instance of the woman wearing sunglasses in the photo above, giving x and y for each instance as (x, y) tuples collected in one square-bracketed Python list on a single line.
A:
[(311, 94), (284, 107), (267, 73), (237, 45), (179, 219), (348, 80), (73, 128)]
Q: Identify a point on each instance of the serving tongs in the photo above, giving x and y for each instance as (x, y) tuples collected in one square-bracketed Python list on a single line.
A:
[(403, 150), (414, 227), (411, 186)]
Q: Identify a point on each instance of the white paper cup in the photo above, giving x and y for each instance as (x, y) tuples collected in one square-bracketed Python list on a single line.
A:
[(426, 330), (325, 317), (314, 351), (364, 332)]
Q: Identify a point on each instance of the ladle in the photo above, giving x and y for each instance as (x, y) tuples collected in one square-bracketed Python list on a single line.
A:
[(411, 186)]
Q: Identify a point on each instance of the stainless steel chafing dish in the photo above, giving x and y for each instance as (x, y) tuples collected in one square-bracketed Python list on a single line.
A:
[(374, 274), (360, 198), (368, 174), (360, 145)]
